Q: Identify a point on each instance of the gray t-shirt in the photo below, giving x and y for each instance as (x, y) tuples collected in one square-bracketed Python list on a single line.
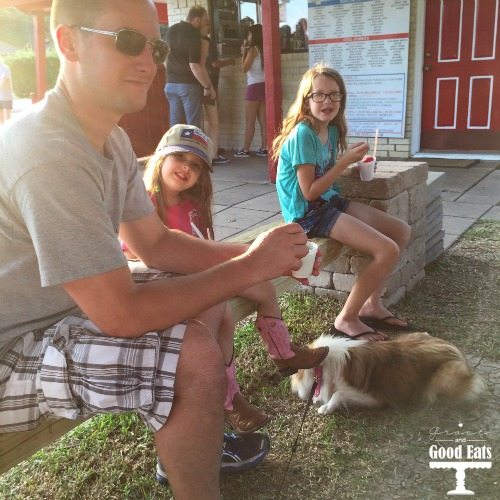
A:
[(61, 204)]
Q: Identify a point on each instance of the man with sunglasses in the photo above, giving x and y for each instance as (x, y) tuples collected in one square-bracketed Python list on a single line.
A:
[(188, 80), (79, 332)]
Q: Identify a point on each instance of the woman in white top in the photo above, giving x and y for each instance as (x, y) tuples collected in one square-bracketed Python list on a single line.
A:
[(255, 108)]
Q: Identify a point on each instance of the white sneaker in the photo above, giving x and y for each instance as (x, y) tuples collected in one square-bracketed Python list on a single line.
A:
[(242, 153)]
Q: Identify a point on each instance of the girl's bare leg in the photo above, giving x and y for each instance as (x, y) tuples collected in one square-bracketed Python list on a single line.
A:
[(264, 297), (225, 336), (251, 111), (396, 229), (212, 117), (261, 116), (384, 252)]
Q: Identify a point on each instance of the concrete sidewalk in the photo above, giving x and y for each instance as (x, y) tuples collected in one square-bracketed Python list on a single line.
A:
[(244, 197)]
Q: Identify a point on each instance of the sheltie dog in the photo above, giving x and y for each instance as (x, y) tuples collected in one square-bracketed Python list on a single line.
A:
[(411, 370)]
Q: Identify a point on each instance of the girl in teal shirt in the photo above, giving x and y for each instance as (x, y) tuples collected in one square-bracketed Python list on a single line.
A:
[(312, 153)]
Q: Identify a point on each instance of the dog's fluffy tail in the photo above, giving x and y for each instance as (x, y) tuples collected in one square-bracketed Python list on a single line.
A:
[(455, 380)]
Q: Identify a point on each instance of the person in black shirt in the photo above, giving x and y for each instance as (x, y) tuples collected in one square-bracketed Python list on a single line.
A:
[(187, 77)]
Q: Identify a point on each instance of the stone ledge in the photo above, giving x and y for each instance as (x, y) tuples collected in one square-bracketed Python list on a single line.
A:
[(391, 178)]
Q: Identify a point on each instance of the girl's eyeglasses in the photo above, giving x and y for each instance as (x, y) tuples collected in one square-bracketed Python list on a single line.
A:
[(321, 96), (132, 43)]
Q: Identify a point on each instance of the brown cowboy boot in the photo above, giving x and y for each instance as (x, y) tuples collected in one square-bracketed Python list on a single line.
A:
[(287, 356), (245, 417), (240, 415)]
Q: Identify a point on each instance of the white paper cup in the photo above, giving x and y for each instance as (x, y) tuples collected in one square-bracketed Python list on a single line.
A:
[(367, 168), (306, 268)]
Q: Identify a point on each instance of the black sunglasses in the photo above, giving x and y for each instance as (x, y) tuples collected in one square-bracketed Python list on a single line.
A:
[(132, 43)]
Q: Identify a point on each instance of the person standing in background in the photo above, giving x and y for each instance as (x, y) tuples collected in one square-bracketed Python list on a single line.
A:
[(6, 92), (255, 107), (301, 34), (187, 77), (210, 106)]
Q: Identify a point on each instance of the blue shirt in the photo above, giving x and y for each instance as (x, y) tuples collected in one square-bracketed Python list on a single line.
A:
[(301, 147)]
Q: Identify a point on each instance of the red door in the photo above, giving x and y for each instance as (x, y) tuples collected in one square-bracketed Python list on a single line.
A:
[(461, 87)]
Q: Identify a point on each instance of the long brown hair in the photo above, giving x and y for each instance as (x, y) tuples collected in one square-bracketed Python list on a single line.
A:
[(300, 112), (257, 41), (201, 193)]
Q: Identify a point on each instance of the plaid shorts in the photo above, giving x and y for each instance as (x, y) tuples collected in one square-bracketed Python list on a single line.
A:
[(73, 370)]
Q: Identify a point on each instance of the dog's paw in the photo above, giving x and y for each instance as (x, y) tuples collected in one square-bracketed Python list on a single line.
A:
[(325, 410)]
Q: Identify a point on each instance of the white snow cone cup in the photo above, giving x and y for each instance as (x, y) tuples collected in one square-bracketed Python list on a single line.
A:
[(367, 168), (306, 268)]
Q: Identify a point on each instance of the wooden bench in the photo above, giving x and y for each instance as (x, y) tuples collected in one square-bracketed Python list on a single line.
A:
[(17, 446)]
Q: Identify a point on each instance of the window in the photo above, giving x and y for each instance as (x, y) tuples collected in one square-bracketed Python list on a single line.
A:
[(251, 9), (293, 25), (232, 17)]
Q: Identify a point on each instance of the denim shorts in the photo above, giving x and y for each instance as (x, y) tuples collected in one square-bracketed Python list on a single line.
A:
[(322, 216)]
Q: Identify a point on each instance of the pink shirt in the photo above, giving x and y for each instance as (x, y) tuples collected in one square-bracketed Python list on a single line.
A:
[(180, 217)]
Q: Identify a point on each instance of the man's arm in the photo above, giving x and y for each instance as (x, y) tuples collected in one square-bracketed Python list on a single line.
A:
[(249, 58), (173, 250), (119, 307), (222, 63), (201, 74)]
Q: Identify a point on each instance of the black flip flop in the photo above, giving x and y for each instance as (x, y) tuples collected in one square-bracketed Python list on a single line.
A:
[(383, 324), (339, 333)]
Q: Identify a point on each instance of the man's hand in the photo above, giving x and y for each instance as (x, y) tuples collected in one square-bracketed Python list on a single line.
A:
[(316, 268), (210, 92), (277, 252)]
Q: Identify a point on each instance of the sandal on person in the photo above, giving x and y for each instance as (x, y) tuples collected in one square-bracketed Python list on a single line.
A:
[(384, 323), (359, 336)]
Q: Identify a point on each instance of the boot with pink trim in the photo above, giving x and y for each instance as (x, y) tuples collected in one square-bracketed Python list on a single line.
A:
[(287, 356), (240, 415)]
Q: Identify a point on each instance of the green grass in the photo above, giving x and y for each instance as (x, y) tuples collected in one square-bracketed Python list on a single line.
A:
[(355, 454)]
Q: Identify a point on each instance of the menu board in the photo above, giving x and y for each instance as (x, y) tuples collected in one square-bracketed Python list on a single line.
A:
[(367, 42)]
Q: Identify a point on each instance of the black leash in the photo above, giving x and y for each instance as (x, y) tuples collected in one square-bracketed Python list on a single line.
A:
[(296, 442)]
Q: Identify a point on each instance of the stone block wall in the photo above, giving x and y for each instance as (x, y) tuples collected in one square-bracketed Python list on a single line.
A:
[(434, 234), (399, 188)]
